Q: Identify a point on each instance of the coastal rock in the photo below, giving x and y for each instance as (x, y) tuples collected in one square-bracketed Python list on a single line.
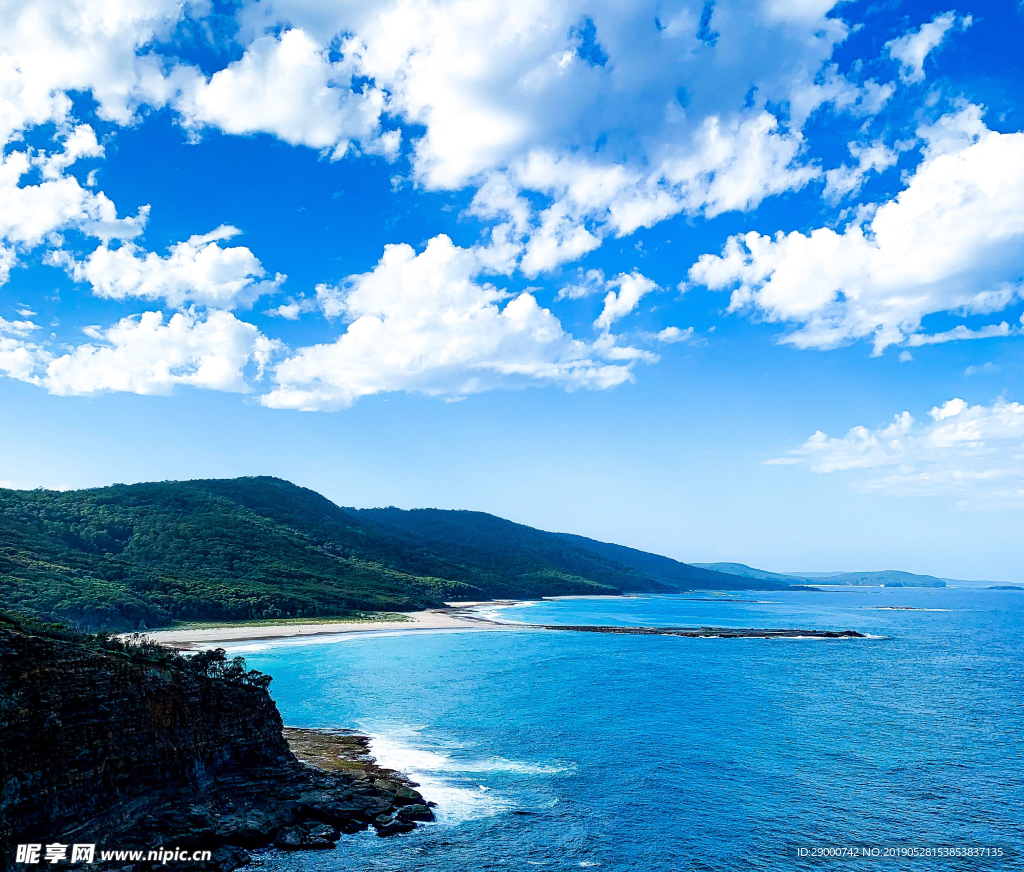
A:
[(407, 796), (322, 831), (415, 813), (394, 827), (708, 632), (136, 750), (300, 839), (290, 838)]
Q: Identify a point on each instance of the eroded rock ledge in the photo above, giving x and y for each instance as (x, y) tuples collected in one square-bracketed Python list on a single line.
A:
[(356, 793)]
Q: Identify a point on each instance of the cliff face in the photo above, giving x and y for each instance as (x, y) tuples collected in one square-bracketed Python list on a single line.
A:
[(101, 747)]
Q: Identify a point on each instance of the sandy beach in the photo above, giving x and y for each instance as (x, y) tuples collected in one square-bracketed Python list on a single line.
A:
[(458, 618)]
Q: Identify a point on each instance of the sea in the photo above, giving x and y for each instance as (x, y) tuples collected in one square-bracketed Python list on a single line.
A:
[(566, 751)]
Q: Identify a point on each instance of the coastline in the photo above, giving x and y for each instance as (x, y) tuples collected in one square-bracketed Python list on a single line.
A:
[(459, 616), (456, 617)]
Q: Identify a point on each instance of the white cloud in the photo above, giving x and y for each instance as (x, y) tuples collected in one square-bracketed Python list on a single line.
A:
[(293, 309), (641, 124), (587, 284), (147, 354), (987, 368), (493, 82), (729, 165), (423, 323), (645, 122), (33, 213), (973, 450), (846, 180), (960, 332), (197, 271), (568, 139), (671, 335), (951, 241), (912, 48), (286, 86), (617, 304), (18, 357), (49, 48), (80, 143)]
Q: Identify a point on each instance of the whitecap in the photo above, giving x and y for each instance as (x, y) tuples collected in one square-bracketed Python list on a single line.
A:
[(903, 609), (398, 749)]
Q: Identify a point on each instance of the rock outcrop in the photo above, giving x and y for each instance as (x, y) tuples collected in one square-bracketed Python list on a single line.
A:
[(127, 751)]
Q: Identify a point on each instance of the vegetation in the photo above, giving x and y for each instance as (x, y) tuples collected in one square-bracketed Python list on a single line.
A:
[(208, 664), (354, 618), (134, 557), (887, 577)]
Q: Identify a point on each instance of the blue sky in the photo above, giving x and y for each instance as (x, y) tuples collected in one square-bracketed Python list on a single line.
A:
[(726, 281)]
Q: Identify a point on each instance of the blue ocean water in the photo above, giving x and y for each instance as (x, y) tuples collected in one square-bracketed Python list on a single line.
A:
[(563, 751)]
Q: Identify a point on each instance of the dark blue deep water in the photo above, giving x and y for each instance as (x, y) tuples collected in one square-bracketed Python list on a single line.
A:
[(561, 751)]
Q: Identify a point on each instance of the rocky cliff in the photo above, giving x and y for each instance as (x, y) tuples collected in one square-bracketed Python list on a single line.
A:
[(136, 748)]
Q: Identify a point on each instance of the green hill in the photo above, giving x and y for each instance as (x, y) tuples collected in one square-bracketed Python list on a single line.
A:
[(744, 571), (887, 577), (145, 555), (687, 575)]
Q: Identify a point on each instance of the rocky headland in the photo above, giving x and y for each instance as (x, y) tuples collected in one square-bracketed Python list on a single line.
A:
[(134, 747)]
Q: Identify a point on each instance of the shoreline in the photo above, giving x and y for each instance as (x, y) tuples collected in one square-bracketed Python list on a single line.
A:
[(456, 617), (459, 616)]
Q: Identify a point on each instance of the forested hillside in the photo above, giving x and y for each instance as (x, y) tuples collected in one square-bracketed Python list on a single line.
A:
[(145, 555)]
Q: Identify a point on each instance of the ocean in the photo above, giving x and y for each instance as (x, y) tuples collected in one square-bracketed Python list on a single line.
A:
[(561, 751)]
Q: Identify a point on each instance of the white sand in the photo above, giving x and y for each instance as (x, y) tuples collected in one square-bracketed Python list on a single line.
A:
[(212, 636)]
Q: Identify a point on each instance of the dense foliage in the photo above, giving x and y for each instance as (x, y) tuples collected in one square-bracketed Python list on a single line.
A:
[(142, 556), (138, 648)]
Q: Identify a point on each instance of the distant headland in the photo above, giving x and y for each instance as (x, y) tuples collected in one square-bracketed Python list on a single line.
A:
[(146, 556)]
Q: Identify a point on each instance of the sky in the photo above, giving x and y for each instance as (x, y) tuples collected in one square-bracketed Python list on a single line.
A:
[(722, 280)]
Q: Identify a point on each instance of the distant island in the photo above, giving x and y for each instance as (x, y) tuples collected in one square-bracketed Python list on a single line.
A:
[(886, 577)]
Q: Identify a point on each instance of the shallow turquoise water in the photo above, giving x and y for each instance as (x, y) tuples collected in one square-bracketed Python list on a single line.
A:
[(567, 751)]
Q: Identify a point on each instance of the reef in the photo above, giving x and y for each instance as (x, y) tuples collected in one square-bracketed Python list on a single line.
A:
[(710, 632)]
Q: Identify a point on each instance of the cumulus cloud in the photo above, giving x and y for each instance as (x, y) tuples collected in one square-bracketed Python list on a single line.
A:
[(671, 335), (492, 82), (287, 86), (977, 451), (143, 354), (515, 92), (617, 304), (19, 358), (730, 165), (912, 48), (425, 323), (845, 181), (574, 123), (148, 354), (534, 96), (197, 271), (950, 241), (587, 284), (50, 48), (33, 213)]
